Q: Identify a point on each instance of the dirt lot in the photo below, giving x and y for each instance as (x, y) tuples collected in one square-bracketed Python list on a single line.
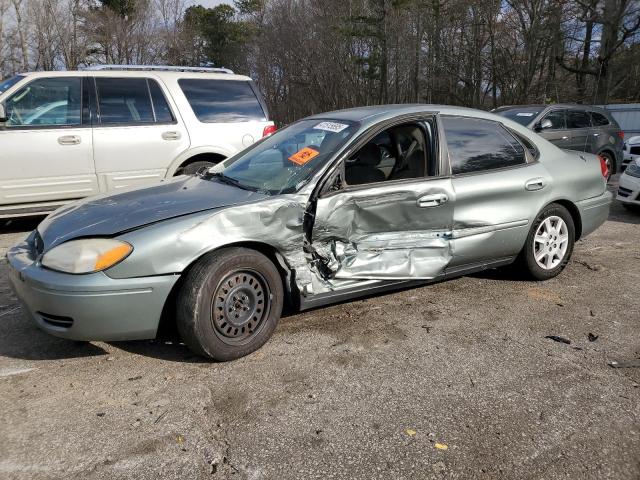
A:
[(454, 380)]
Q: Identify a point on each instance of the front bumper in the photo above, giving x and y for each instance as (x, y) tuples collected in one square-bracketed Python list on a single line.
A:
[(88, 307), (629, 190), (594, 212), (627, 159)]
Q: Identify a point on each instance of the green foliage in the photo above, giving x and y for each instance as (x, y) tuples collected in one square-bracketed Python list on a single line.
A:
[(121, 7), (247, 7), (224, 33)]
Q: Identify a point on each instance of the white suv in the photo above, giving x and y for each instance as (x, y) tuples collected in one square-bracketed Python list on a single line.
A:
[(68, 135)]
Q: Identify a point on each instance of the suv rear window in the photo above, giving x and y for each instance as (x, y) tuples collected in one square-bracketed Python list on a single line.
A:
[(217, 101)]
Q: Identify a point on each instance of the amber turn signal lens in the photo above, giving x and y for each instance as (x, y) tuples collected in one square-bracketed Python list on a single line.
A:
[(113, 256)]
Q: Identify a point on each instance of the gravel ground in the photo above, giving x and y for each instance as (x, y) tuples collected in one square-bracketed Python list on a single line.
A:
[(453, 380)]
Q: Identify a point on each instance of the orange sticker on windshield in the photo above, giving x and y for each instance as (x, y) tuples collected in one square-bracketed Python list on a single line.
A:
[(304, 155)]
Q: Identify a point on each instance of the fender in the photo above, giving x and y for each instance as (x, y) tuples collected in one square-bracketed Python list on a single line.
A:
[(225, 151)]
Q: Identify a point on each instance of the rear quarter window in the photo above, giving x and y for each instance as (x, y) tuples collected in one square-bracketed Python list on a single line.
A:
[(222, 101)]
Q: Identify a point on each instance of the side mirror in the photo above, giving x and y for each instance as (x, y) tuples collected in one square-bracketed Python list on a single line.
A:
[(545, 124), (3, 115)]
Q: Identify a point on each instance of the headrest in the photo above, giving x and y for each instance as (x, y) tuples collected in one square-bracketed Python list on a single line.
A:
[(370, 155)]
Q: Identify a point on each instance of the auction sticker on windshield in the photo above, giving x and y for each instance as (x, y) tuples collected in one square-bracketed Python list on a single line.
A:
[(331, 126), (303, 155)]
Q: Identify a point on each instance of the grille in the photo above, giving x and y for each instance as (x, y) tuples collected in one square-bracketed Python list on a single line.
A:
[(56, 320), (635, 150), (624, 192)]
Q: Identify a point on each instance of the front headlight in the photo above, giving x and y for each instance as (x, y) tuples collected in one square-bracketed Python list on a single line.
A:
[(633, 169), (86, 255)]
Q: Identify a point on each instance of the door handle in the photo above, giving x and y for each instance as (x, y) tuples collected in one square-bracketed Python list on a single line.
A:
[(534, 184), (596, 134), (69, 140), (565, 138), (432, 200), (171, 135)]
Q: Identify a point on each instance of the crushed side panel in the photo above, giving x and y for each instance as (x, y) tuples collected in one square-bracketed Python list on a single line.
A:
[(382, 234)]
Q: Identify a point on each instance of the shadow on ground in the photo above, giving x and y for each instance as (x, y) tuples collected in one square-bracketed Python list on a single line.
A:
[(168, 350), (26, 342)]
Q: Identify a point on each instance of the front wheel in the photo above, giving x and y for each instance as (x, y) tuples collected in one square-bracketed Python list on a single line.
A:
[(549, 244), (229, 304), (193, 168)]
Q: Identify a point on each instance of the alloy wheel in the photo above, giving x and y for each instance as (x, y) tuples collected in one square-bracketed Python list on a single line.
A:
[(550, 242)]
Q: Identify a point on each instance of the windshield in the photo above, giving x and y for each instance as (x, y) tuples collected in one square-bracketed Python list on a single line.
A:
[(285, 161), (523, 116), (10, 82)]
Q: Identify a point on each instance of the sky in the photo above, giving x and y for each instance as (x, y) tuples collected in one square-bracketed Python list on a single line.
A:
[(211, 3)]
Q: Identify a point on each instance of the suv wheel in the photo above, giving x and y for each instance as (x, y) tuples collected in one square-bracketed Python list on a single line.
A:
[(609, 162), (549, 244), (229, 304)]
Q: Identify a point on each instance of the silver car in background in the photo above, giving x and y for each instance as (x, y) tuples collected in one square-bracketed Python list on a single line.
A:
[(332, 207), (575, 127)]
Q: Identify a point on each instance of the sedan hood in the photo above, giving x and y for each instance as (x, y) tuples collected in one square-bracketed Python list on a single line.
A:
[(109, 215)]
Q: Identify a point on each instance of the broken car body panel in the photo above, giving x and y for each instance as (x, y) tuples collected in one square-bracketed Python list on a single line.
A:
[(400, 230), (331, 241)]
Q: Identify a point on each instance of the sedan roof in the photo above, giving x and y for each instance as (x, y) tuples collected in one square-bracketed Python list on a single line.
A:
[(376, 113)]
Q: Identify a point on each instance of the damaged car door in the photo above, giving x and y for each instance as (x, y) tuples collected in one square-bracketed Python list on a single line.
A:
[(385, 212)]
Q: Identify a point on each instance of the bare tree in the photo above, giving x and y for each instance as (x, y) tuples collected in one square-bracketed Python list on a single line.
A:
[(21, 31)]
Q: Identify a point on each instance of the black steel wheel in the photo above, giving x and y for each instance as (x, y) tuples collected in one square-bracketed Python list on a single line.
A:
[(240, 305), (230, 303)]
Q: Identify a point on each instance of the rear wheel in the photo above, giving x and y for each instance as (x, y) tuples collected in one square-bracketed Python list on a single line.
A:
[(549, 244), (609, 162), (229, 304)]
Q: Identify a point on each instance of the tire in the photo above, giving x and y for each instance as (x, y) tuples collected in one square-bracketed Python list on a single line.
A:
[(611, 163), (631, 207), (229, 304), (552, 246), (193, 168)]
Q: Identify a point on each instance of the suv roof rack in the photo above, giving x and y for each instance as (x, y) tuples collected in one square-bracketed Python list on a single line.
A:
[(163, 68)]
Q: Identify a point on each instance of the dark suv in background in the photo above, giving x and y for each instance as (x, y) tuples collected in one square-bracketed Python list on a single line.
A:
[(574, 127)]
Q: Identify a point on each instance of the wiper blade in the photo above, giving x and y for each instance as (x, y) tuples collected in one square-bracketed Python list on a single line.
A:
[(232, 181)]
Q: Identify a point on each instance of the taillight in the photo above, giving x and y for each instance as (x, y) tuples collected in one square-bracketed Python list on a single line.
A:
[(604, 168), (621, 135), (269, 130)]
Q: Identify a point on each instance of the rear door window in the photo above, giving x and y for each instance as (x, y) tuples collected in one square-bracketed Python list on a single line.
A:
[(599, 120), (124, 101), (161, 108), (477, 145), (578, 119), (219, 101)]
